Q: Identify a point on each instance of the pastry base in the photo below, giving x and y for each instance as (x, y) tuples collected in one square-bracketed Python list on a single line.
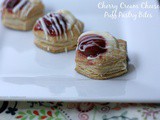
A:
[(105, 68), (61, 44), (102, 73), (100, 77), (21, 22), (52, 49), (18, 24)]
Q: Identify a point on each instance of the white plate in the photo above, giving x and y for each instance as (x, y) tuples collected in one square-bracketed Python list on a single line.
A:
[(28, 73)]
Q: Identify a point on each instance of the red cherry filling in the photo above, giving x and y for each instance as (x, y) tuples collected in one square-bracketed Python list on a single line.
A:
[(10, 4), (54, 28), (92, 45)]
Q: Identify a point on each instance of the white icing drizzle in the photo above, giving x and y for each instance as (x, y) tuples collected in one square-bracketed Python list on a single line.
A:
[(80, 24), (92, 58), (29, 9), (60, 37), (77, 28), (55, 29), (18, 6), (125, 66), (26, 5), (65, 35), (64, 29), (47, 17), (66, 50), (23, 12), (71, 33), (91, 43), (69, 17), (59, 25), (48, 48), (44, 28), (56, 24), (35, 1)]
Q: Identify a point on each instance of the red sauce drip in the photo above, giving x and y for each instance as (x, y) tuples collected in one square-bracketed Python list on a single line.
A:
[(95, 46), (10, 4), (50, 24)]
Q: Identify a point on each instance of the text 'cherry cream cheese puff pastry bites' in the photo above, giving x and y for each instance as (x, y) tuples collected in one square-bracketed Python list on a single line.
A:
[(57, 31), (21, 14), (101, 56)]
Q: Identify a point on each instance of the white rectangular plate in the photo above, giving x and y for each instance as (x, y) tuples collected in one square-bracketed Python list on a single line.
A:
[(29, 73)]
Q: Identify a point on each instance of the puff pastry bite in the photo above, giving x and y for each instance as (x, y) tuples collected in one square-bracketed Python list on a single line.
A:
[(101, 56), (21, 14), (57, 31)]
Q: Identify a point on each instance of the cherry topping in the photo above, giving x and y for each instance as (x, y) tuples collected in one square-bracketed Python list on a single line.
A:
[(92, 45), (10, 4), (53, 28)]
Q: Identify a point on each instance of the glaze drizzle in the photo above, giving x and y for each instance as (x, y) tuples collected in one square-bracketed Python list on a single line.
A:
[(13, 6), (92, 45), (57, 24), (53, 24)]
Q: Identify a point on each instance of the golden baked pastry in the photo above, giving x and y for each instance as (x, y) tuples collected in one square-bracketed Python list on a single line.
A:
[(21, 14), (57, 31), (101, 56)]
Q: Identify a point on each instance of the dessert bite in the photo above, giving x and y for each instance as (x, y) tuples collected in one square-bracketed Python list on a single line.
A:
[(21, 14), (101, 56), (57, 31)]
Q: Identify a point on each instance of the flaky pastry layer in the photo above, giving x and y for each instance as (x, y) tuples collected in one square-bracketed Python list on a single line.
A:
[(19, 22), (109, 65), (59, 44)]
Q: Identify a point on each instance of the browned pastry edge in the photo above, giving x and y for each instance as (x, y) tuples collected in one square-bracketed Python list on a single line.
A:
[(53, 49), (62, 45), (41, 35), (91, 74), (14, 21), (17, 24), (104, 77), (37, 9)]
